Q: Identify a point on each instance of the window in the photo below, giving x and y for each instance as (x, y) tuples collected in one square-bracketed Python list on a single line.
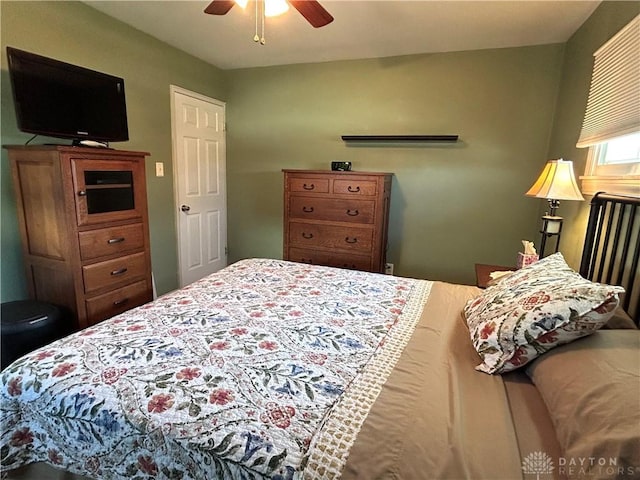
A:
[(614, 166), (611, 127), (621, 151)]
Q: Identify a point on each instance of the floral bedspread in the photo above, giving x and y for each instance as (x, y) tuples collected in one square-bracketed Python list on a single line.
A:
[(232, 377)]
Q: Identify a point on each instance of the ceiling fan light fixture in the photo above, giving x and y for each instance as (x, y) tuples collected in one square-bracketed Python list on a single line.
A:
[(273, 8), (311, 10)]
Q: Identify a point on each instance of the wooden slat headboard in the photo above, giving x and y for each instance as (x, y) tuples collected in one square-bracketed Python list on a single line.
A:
[(612, 247)]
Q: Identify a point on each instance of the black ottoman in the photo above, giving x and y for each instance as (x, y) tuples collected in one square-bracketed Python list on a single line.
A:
[(30, 324)]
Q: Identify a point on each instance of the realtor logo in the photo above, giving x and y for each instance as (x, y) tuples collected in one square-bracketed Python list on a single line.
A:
[(537, 463)]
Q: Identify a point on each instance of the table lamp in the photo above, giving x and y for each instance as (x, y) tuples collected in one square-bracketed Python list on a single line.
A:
[(556, 182)]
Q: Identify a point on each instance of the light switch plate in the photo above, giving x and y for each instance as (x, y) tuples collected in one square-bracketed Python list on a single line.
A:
[(159, 169)]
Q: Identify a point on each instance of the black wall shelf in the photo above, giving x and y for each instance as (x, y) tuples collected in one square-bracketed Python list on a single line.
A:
[(400, 138)]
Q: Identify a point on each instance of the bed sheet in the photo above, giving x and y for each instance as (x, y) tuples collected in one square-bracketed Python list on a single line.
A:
[(439, 418)]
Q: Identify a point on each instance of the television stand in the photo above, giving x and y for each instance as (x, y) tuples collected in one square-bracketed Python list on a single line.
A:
[(92, 255)]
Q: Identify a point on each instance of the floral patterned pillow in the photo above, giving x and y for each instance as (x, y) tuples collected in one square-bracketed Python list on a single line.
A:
[(535, 309)]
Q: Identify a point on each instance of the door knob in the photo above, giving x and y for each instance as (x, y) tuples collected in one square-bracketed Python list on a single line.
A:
[(185, 208)]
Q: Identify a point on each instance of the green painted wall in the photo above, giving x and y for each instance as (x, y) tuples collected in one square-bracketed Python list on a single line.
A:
[(76, 33), (603, 24), (451, 205)]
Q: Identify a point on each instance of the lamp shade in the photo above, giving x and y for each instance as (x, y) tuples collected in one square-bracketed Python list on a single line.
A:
[(557, 181)]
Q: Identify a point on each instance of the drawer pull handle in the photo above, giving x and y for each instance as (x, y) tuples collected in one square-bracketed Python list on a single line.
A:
[(307, 260), (353, 213), (350, 239), (119, 272), (117, 303), (307, 235), (307, 209), (111, 241), (344, 265), (82, 193), (353, 190), (309, 187)]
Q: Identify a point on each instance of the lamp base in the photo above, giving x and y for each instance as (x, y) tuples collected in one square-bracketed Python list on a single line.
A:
[(551, 227)]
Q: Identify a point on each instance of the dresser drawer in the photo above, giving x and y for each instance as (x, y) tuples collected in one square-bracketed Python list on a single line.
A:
[(109, 241), (355, 187), (309, 184), (312, 235), (332, 209), (114, 273), (117, 301), (333, 259)]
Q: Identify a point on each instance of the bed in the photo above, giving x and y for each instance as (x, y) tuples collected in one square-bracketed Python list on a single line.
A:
[(274, 369)]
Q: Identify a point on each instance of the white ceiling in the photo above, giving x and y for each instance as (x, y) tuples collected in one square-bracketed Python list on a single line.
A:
[(361, 29)]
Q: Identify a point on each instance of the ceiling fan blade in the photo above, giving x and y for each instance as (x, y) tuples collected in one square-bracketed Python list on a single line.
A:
[(315, 13), (219, 7)]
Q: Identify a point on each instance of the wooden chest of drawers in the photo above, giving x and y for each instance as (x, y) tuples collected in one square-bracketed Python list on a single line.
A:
[(338, 219), (84, 227)]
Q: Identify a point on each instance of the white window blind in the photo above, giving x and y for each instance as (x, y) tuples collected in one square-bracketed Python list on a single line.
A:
[(613, 107)]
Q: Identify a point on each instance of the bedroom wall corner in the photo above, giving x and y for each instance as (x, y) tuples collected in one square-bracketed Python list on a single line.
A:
[(148, 67), (577, 67)]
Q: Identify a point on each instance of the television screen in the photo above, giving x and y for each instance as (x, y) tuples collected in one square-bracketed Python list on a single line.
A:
[(61, 100)]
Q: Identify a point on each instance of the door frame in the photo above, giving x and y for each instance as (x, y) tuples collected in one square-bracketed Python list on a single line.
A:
[(173, 89)]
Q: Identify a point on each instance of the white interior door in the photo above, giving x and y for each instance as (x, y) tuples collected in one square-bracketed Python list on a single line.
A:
[(199, 168)]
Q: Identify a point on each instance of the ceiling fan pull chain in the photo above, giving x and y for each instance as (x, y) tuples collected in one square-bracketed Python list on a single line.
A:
[(256, 38), (262, 40)]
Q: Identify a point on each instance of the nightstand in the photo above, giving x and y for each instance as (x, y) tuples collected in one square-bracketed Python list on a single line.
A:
[(483, 271)]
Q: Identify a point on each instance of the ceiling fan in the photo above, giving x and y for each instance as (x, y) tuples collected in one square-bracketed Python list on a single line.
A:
[(311, 10)]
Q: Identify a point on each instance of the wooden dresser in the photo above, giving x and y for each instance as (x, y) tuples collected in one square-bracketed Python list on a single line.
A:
[(85, 234), (338, 219)]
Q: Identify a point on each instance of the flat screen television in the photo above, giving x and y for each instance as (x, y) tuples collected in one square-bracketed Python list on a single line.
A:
[(61, 100)]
